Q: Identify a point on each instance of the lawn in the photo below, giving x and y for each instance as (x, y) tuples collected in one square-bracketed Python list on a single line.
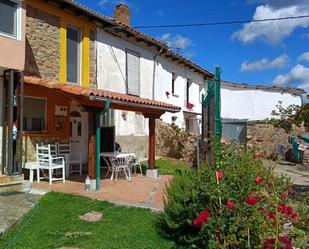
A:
[(57, 224), (168, 166)]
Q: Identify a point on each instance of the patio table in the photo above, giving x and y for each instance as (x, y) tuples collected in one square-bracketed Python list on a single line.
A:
[(106, 155)]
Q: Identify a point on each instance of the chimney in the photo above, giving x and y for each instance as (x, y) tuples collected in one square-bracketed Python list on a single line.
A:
[(122, 14)]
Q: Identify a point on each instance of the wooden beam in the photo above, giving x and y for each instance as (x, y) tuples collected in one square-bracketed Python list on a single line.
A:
[(152, 143), (92, 147)]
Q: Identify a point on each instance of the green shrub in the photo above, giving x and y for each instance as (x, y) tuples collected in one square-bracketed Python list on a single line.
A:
[(245, 207)]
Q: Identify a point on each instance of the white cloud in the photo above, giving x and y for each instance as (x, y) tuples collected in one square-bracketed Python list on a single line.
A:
[(177, 41), (101, 3), (298, 76), (304, 57), (273, 31), (263, 64)]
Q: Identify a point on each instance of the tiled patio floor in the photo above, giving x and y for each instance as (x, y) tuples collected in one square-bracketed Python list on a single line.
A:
[(141, 191)]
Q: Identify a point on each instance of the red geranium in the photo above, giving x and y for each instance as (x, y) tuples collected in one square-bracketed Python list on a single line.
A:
[(258, 179), (219, 175), (272, 216), (230, 204), (202, 219), (251, 200), (284, 241), (284, 196)]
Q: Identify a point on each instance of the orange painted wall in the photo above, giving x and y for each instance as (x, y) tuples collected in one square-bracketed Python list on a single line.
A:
[(53, 99)]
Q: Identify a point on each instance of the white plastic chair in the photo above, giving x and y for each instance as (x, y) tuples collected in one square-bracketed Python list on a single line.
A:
[(46, 161), (72, 159), (134, 161), (120, 164)]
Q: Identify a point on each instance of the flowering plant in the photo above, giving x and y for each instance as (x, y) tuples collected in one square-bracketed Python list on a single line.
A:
[(190, 106), (239, 204)]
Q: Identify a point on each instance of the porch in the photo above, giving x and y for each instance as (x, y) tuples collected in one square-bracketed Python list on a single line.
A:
[(142, 191), (73, 115)]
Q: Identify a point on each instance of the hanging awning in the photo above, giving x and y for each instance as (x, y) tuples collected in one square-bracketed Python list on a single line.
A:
[(95, 97)]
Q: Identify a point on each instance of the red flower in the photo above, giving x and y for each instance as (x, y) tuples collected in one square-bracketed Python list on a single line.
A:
[(219, 175), (270, 243), (202, 219), (258, 179), (289, 210), (284, 196), (294, 216), (204, 216), (251, 200), (281, 208), (230, 204), (272, 216), (198, 222)]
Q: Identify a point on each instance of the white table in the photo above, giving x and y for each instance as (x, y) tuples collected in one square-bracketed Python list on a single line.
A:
[(106, 155), (31, 166)]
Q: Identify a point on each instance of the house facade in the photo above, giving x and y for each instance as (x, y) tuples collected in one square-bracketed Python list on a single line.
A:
[(62, 101), (131, 62), (12, 61)]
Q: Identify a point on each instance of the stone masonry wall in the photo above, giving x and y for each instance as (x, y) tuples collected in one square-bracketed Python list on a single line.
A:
[(265, 137), (93, 60), (42, 44), (171, 141)]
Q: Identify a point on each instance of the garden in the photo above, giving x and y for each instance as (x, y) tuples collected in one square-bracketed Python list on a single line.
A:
[(238, 203)]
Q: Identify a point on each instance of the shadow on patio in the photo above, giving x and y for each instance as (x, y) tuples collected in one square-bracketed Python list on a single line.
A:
[(141, 191)]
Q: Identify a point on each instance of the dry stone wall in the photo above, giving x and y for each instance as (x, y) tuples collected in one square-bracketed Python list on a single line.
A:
[(174, 142), (42, 44)]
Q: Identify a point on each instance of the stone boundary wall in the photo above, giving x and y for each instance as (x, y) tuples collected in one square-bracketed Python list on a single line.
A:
[(171, 141), (265, 137)]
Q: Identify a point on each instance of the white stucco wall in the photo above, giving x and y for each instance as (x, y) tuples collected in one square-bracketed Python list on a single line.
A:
[(111, 75), (253, 104)]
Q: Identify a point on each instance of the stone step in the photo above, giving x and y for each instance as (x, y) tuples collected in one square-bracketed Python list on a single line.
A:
[(11, 183)]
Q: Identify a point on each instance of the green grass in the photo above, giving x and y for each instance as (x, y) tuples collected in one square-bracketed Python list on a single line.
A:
[(169, 166), (57, 224)]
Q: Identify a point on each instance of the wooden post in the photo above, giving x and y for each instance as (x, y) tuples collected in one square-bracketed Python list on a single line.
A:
[(92, 147), (152, 142)]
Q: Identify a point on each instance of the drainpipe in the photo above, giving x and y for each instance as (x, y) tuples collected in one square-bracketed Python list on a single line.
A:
[(154, 73), (98, 143)]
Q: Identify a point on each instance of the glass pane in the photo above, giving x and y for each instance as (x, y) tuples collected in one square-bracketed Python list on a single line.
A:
[(36, 124), (71, 124), (8, 17), (79, 129), (73, 36)]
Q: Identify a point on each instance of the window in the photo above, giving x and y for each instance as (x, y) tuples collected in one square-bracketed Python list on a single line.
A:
[(73, 55), (139, 123), (9, 18), (34, 114), (188, 124), (173, 82), (133, 72), (174, 118), (107, 119)]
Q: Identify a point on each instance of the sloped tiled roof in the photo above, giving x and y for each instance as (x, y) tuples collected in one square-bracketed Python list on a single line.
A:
[(88, 91), (130, 31)]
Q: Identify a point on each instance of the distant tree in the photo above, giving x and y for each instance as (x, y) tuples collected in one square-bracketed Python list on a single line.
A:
[(285, 118)]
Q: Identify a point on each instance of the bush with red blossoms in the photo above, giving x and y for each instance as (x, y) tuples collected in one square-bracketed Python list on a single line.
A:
[(226, 205)]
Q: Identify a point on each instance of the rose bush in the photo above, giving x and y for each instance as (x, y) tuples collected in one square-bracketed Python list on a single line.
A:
[(242, 204)]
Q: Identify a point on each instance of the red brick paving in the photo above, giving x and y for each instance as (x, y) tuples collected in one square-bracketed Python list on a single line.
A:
[(141, 191)]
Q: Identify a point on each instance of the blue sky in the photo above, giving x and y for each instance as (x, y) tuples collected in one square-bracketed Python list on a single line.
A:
[(255, 53)]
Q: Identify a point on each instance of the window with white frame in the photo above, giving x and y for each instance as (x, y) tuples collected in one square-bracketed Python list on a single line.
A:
[(10, 18), (73, 54), (133, 72), (34, 114)]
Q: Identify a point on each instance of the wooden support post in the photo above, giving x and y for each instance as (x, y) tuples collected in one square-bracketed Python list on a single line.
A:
[(92, 147), (152, 142)]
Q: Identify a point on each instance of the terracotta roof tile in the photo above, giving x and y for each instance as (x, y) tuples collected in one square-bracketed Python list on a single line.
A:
[(87, 92)]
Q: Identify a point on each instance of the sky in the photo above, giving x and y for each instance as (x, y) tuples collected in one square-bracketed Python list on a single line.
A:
[(265, 53)]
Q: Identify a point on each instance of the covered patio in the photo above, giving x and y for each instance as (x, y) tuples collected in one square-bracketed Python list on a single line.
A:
[(94, 102)]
